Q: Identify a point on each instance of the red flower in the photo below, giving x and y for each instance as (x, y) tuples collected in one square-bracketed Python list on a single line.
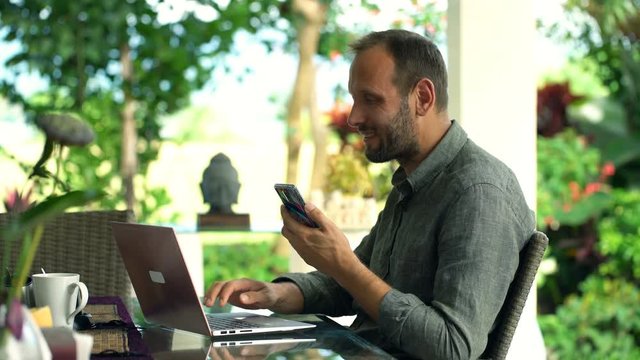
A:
[(553, 100), (575, 190), (608, 169), (592, 188), (549, 220), (339, 116)]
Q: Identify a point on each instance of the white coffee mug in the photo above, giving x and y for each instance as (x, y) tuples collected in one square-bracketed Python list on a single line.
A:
[(63, 293)]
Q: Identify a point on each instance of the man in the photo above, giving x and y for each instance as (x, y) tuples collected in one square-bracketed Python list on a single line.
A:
[(430, 278)]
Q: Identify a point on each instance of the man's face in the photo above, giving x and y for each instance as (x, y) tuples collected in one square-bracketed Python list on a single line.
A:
[(380, 114)]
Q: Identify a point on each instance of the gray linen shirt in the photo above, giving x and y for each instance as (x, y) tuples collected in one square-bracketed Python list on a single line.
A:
[(447, 242)]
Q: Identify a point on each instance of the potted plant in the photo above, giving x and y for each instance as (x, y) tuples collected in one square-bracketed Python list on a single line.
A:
[(29, 219)]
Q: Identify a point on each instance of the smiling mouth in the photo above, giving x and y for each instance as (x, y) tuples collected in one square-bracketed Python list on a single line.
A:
[(366, 134)]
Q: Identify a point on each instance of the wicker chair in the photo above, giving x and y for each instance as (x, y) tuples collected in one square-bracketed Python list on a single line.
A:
[(530, 258), (81, 242)]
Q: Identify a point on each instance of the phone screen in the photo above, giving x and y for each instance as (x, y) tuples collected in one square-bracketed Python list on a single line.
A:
[(292, 199)]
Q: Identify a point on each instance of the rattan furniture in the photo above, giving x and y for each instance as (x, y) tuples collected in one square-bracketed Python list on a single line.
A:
[(81, 242), (530, 258)]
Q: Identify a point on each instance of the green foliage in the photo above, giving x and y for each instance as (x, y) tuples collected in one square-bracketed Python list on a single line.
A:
[(421, 16), (601, 323), (573, 194), (620, 236), (581, 76), (78, 48), (570, 182), (600, 320), (243, 260), (605, 33)]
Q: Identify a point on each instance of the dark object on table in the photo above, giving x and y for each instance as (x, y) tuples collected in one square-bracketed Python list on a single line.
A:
[(115, 336), (220, 189)]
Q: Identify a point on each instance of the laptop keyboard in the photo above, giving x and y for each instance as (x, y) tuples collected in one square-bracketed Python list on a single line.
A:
[(222, 323)]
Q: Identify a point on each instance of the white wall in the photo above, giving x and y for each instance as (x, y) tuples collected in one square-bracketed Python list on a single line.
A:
[(492, 88)]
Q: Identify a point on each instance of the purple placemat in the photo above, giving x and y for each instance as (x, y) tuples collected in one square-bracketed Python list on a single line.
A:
[(112, 300), (136, 347)]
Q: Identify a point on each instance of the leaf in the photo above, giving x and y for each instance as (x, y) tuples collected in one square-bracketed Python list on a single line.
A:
[(38, 168), (49, 208)]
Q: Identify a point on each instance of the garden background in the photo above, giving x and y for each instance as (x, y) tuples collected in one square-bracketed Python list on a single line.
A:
[(166, 85)]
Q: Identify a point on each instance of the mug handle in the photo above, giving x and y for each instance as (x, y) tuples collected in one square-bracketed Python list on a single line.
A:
[(83, 293)]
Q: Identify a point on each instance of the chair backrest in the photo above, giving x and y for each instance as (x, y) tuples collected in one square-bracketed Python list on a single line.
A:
[(81, 242), (530, 258)]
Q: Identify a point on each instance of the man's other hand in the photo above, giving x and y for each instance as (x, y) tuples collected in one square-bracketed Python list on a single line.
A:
[(251, 294)]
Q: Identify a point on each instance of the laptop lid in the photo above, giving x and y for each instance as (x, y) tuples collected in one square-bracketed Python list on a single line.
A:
[(161, 280), (160, 276)]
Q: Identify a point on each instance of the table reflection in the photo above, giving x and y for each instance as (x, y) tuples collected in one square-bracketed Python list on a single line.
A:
[(327, 340)]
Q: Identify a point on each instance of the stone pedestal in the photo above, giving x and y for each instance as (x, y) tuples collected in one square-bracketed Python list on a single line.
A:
[(224, 222)]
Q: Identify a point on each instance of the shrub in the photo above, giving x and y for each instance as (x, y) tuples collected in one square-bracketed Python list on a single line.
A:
[(620, 236), (603, 319), (601, 323), (250, 260), (572, 184), (573, 194)]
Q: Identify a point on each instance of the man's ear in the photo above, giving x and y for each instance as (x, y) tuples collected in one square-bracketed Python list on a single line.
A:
[(425, 96)]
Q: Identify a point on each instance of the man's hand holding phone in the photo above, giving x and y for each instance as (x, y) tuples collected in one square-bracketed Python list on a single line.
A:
[(324, 246)]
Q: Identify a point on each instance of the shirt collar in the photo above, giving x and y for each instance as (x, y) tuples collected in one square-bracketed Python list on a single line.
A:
[(444, 152)]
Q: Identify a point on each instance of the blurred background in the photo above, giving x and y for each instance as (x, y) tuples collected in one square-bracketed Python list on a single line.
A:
[(167, 85)]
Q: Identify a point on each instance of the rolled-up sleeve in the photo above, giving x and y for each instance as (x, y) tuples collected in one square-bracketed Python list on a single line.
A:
[(322, 294)]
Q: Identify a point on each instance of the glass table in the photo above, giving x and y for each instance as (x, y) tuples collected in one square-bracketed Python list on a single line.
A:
[(139, 339), (328, 340)]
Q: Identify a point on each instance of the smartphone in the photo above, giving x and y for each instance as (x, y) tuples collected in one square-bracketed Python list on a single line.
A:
[(292, 199)]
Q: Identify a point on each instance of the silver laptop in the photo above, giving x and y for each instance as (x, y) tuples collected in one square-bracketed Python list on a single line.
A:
[(165, 291)]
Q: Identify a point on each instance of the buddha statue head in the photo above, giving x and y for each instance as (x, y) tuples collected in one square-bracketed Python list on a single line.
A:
[(220, 185)]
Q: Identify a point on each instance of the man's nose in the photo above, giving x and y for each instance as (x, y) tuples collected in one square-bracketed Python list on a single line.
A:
[(355, 117)]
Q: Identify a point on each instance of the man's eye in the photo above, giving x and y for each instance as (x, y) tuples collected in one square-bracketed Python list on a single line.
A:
[(370, 99)]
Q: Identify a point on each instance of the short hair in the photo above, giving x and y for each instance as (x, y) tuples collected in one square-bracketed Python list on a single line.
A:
[(415, 57)]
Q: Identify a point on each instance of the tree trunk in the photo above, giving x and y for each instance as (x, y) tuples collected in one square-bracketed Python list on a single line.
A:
[(320, 132), (313, 16), (129, 163)]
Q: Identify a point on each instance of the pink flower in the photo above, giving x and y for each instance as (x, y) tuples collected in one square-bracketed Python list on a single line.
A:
[(430, 28), (17, 201)]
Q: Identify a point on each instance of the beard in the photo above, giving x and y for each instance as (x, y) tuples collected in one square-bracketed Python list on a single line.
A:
[(400, 140)]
